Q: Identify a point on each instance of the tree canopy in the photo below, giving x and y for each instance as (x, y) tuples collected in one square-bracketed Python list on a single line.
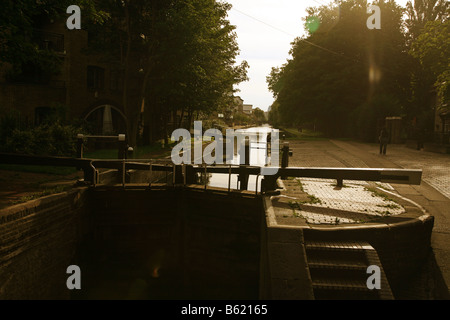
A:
[(18, 21), (345, 79), (176, 55)]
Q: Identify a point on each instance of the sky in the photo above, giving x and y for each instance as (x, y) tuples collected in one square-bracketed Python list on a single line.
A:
[(265, 31)]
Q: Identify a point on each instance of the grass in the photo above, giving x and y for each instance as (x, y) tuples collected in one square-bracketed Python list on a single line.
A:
[(294, 205), (300, 185), (43, 193), (141, 152), (294, 134), (312, 200), (393, 206), (377, 193)]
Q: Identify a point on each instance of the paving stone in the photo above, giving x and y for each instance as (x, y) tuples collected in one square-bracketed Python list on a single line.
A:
[(354, 203)]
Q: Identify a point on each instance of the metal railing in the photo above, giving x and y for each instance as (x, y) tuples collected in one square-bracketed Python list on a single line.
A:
[(186, 174)]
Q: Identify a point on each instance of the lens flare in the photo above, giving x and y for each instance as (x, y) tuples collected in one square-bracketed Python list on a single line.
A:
[(312, 24), (374, 74)]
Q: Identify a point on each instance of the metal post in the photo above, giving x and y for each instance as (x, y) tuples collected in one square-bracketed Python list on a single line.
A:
[(151, 175), (268, 147), (122, 155), (285, 157), (174, 174), (243, 175), (229, 179), (80, 142), (123, 173), (339, 183), (190, 175), (178, 174), (206, 183), (122, 147), (256, 188), (89, 173), (269, 183)]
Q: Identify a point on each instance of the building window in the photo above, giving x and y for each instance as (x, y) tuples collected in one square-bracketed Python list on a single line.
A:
[(49, 40), (95, 78)]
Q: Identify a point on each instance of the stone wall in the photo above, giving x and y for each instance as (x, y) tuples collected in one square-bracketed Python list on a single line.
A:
[(38, 241), (175, 243), (163, 243)]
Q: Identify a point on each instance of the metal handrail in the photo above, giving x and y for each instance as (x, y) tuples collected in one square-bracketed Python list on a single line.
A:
[(229, 179), (90, 167), (256, 188), (206, 173)]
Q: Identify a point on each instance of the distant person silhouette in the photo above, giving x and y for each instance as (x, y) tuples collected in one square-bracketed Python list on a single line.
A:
[(384, 139)]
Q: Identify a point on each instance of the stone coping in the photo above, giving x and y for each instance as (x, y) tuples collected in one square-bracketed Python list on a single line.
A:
[(327, 209)]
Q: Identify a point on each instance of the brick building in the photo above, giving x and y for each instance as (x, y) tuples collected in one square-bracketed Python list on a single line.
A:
[(87, 87)]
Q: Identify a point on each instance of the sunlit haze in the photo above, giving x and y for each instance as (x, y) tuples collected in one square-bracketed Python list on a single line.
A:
[(266, 29)]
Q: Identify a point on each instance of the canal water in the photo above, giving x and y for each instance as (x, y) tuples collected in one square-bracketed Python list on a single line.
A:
[(257, 137)]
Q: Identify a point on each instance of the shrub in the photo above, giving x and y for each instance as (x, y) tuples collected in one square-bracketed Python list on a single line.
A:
[(52, 139)]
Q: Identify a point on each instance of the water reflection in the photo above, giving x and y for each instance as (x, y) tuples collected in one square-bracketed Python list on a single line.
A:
[(257, 137)]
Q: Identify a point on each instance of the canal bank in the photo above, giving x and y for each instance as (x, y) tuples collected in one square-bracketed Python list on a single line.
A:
[(168, 242), (157, 243), (432, 276), (312, 239)]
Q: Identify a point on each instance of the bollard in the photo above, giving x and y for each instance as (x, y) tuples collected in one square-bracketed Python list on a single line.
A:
[(269, 184), (80, 142), (130, 152), (122, 147), (285, 157), (122, 154)]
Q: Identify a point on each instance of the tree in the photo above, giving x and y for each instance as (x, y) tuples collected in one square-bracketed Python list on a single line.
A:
[(431, 48), (419, 12), (175, 55), (422, 77), (259, 116), (18, 42), (196, 70), (340, 66)]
